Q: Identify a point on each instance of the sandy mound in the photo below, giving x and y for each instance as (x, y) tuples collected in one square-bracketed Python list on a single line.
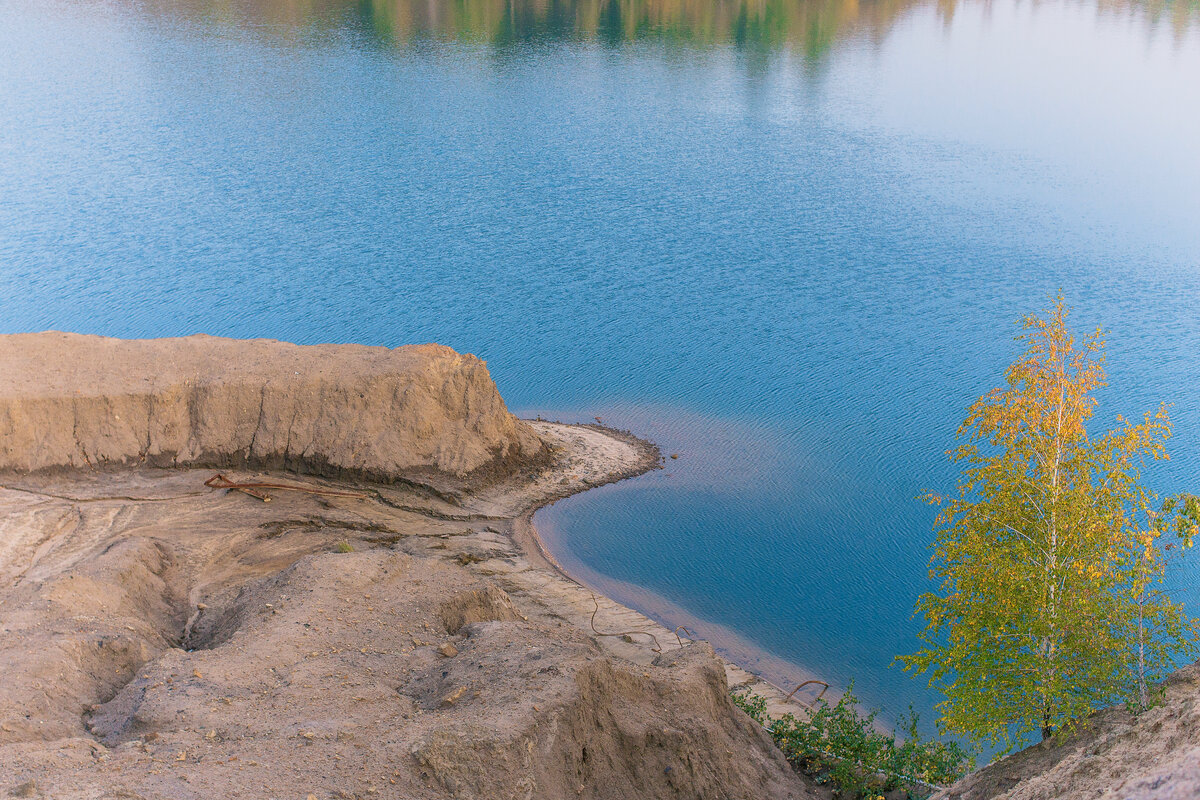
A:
[(488, 604), (163, 640), (77, 401), (1153, 756)]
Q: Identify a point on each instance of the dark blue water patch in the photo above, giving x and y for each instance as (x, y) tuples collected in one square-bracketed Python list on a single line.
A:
[(758, 543)]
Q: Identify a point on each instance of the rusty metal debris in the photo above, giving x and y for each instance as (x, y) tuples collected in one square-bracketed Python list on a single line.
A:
[(824, 688), (254, 489), (690, 633), (625, 634)]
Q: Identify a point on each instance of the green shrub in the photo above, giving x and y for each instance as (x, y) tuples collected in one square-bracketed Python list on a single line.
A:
[(838, 745)]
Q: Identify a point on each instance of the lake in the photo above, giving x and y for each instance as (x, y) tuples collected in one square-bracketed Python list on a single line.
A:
[(787, 240)]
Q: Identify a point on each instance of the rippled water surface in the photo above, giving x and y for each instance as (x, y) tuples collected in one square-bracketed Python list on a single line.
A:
[(787, 240)]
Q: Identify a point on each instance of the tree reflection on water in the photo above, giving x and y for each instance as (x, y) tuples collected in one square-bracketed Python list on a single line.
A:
[(808, 27)]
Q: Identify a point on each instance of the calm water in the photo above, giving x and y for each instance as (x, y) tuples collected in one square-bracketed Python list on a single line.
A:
[(787, 240)]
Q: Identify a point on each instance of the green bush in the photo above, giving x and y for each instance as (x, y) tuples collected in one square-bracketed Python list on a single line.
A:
[(838, 745)]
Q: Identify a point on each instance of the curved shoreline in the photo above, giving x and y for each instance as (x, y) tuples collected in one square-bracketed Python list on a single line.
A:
[(736, 654), (525, 532)]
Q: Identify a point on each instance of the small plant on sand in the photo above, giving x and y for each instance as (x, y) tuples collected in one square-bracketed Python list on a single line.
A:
[(837, 744), (343, 547)]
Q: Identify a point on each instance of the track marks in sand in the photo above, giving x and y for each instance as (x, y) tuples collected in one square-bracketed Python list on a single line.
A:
[(28, 532)]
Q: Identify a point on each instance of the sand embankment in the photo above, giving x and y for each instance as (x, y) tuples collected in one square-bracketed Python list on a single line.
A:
[(75, 401), (160, 639), (1116, 755)]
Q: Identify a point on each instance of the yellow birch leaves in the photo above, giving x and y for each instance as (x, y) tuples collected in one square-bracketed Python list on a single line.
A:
[(1048, 556)]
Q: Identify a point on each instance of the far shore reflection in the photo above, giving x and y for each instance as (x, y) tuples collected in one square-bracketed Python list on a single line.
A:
[(809, 27)]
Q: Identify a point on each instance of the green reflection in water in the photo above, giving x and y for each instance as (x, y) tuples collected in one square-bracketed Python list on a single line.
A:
[(808, 27)]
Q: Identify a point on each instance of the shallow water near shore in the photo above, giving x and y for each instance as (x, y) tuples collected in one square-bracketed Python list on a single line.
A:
[(787, 241)]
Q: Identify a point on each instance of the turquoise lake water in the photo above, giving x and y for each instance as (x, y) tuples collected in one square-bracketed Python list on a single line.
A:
[(786, 240)]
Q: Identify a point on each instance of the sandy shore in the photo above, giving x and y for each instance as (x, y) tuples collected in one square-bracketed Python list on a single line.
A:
[(386, 627), (620, 455), (165, 640)]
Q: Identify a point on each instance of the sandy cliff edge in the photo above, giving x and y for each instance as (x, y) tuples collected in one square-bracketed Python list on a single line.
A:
[(1154, 755), (71, 401), (165, 640)]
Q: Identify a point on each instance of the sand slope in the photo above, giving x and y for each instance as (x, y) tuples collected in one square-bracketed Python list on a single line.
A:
[(1118, 756), (160, 639)]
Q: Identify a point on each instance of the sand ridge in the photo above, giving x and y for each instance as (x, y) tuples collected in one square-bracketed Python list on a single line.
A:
[(74, 401)]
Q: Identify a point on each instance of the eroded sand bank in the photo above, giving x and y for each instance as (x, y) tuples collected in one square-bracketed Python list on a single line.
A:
[(161, 639)]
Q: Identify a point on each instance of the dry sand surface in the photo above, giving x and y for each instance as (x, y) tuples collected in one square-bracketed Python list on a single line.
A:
[(162, 639), (1117, 756)]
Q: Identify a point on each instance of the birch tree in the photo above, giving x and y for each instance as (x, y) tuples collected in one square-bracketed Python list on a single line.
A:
[(1043, 572), (1156, 621)]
